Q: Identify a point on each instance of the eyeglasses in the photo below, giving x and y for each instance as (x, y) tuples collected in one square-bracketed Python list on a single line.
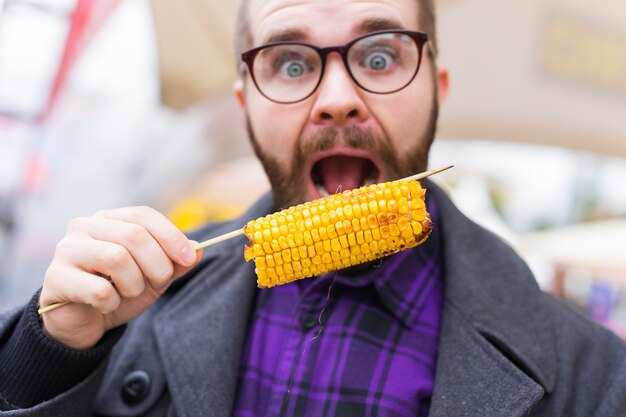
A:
[(380, 62)]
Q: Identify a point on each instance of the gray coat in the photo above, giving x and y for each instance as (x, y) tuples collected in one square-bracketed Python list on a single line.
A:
[(506, 348)]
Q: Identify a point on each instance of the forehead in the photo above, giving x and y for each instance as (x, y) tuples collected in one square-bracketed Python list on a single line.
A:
[(326, 22)]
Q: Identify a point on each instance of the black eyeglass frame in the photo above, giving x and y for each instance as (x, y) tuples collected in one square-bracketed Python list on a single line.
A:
[(420, 39)]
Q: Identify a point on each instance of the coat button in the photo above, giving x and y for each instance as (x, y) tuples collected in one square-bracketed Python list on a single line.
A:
[(136, 387), (308, 321)]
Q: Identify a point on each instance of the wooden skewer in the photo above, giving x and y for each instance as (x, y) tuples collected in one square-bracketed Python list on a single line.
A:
[(238, 232), (235, 233)]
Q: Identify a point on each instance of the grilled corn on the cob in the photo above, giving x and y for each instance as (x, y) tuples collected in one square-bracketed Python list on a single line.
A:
[(337, 231)]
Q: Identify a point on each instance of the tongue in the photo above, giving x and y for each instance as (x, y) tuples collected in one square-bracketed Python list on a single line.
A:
[(343, 172)]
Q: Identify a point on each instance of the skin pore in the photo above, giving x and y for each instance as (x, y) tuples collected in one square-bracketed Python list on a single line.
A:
[(340, 122)]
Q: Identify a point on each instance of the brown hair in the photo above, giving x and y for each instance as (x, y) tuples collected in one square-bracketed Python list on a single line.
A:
[(243, 37)]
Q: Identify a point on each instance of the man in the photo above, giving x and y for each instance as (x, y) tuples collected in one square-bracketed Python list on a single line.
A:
[(454, 327)]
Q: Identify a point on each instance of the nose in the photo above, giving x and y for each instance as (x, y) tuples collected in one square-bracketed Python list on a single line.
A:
[(337, 101)]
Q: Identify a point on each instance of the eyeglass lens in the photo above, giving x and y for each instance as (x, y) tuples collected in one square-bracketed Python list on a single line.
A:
[(380, 63)]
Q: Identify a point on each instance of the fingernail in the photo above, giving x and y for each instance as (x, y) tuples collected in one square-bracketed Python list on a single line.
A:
[(188, 255)]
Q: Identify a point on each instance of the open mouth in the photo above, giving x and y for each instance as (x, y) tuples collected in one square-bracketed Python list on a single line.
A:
[(336, 171)]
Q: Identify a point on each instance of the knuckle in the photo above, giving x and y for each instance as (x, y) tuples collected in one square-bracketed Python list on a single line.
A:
[(117, 256), (133, 291), (63, 247), (76, 224), (163, 274), (140, 212), (102, 294), (136, 235)]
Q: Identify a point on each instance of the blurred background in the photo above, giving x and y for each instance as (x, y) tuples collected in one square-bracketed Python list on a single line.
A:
[(108, 103)]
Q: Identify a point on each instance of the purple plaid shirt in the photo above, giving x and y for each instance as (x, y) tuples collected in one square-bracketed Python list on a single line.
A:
[(373, 354)]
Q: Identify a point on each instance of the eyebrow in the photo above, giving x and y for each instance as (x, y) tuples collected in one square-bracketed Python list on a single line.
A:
[(379, 23), (287, 35)]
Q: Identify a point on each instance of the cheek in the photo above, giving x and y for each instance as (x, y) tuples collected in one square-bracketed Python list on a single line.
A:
[(276, 127), (405, 115)]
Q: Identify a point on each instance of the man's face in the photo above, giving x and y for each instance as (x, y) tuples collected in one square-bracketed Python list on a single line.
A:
[(341, 137)]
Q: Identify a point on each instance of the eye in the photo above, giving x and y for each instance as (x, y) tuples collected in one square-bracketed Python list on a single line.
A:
[(377, 61), (293, 69)]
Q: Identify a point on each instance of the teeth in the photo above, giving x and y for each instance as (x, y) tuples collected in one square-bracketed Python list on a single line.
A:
[(322, 190)]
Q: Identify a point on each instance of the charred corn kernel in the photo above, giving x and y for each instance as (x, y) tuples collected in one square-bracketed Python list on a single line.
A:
[(372, 221), (337, 231)]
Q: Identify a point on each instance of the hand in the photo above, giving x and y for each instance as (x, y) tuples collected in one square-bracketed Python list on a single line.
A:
[(111, 267)]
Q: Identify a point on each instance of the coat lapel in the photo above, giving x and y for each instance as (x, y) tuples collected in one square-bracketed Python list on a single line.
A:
[(201, 331), (496, 356)]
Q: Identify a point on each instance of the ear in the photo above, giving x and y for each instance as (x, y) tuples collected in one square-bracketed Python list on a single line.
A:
[(238, 90), (443, 83)]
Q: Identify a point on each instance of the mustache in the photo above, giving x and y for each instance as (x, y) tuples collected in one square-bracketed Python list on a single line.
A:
[(330, 137)]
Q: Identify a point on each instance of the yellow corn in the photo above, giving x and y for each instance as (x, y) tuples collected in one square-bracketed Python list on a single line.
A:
[(337, 231)]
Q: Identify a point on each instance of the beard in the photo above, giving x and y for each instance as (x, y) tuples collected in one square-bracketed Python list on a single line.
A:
[(289, 183)]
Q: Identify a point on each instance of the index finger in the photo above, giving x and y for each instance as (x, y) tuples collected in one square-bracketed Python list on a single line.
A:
[(171, 239)]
